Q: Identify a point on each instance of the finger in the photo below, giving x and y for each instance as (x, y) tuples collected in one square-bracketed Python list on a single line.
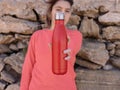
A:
[(67, 51), (67, 58), (68, 37)]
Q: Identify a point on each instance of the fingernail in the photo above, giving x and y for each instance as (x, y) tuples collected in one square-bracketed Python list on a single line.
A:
[(65, 51), (67, 58), (70, 50)]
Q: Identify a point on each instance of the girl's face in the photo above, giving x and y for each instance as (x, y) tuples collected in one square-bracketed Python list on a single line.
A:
[(61, 6)]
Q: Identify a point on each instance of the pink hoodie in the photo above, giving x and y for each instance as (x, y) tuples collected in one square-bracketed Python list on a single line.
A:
[(37, 68)]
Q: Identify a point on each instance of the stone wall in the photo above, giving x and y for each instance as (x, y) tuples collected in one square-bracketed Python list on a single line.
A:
[(98, 61)]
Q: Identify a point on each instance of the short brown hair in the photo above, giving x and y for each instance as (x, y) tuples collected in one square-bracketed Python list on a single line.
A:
[(52, 3)]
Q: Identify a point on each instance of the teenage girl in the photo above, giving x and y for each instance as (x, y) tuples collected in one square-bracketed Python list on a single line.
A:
[(37, 68)]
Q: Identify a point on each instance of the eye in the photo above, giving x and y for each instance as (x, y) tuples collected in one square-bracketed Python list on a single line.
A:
[(68, 11), (58, 9)]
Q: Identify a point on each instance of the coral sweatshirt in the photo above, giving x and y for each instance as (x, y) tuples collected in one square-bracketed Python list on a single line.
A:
[(37, 68)]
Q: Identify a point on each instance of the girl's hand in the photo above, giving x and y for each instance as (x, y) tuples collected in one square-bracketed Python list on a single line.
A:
[(67, 51)]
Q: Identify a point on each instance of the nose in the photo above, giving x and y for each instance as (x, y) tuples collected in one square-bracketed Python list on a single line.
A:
[(63, 11)]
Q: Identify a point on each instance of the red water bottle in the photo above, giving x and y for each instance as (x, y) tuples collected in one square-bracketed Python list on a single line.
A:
[(59, 44)]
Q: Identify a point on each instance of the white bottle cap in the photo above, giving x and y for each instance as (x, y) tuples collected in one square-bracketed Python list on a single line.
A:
[(59, 15)]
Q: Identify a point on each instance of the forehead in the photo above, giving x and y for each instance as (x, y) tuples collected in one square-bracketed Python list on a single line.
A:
[(62, 4)]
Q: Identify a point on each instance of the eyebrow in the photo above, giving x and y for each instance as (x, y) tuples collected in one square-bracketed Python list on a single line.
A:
[(61, 7)]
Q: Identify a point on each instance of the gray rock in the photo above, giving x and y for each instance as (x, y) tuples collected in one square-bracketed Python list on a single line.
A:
[(22, 37), (74, 20), (13, 87), (115, 61), (97, 80), (4, 49), (87, 64), (2, 86), (21, 45), (89, 28), (91, 8), (112, 52), (18, 8), (117, 43), (9, 24), (110, 46), (117, 52), (15, 62), (6, 39), (108, 67), (72, 27), (7, 77), (13, 47), (40, 7), (111, 33), (2, 64), (111, 18), (102, 9), (2, 56), (43, 25), (83, 8), (94, 51), (21, 56)]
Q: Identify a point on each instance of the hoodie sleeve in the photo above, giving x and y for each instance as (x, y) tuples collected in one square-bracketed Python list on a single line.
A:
[(28, 65), (78, 41)]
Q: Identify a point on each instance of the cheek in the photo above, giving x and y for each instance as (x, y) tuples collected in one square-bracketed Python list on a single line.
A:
[(67, 17), (53, 15)]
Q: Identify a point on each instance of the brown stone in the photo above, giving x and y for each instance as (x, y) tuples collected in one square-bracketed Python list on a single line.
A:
[(13, 87), (87, 64), (9, 24), (97, 80), (17, 8), (81, 7), (108, 67), (21, 37), (74, 20), (6, 39), (21, 45), (115, 61), (89, 28), (111, 18), (21, 56), (2, 56), (2, 64), (112, 52), (43, 25), (15, 62), (94, 51), (4, 49), (117, 43), (117, 52), (13, 47), (110, 46), (103, 9), (40, 7), (72, 27), (111, 33), (90, 8), (7, 77), (2, 86)]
